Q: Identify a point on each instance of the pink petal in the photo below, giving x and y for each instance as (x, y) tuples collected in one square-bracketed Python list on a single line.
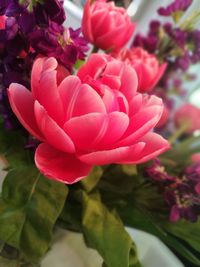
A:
[(87, 130), (45, 89), (114, 100), (129, 81), (116, 38), (114, 82), (110, 99), (117, 155), (140, 124), (54, 135), (135, 104), (22, 105), (113, 67), (159, 75), (86, 22), (60, 166), (155, 145), (79, 99), (152, 100), (116, 127), (62, 73), (127, 75), (93, 67), (35, 76), (94, 131), (99, 20)]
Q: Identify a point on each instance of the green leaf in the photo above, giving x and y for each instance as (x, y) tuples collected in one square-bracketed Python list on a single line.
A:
[(12, 147), (105, 232), (133, 217), (130, 169), (8, 263), (78, 64), (90, 182), (186, 231), (116, 181), (29, 207)]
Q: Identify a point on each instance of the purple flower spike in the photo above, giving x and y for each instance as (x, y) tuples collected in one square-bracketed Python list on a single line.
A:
[(182, 205), (193, 172), (183, 62), (158, 173), (50, 10), (176, 6)]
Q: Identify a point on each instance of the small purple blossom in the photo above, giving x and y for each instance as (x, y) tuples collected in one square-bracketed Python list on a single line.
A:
[(66, 45), (158, 173), (181, 192), (176, 6), (168, 27), (149, 43), (51, 10), (180, 37), (182, 205), (183, 62), (193, 175), (154, 26)]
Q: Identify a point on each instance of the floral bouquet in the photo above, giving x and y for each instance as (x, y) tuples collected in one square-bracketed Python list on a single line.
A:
[(99, 142)]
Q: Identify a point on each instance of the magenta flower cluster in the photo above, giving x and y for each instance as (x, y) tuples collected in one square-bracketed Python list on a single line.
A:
[(186, 42), (28, 32), (181, 192), (176, 6)]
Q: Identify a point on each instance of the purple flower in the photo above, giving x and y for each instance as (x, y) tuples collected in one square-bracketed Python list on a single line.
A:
[(27, 34), (181, 192), (168, 27), (158, 173), (183, 62), (193, 175), (149, 43), (43, 12), (10, 8), (181, 204), (154, 26), (176, 6), (194, 38), (180, 37), (66, 45), (50, 10)]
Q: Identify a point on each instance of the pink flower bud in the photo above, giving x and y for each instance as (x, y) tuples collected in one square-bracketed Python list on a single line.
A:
[(106, 26)]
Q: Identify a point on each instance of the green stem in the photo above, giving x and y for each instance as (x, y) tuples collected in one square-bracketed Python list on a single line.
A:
[(182, 129)]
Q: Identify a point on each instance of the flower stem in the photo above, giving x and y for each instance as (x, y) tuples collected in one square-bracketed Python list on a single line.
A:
[(182, 129)]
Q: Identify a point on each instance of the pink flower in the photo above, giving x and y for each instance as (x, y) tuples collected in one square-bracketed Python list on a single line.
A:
[(188, 115), (148, 69), (164, 118), (82, 125), (196, 157), (105, 25), (2, 22)]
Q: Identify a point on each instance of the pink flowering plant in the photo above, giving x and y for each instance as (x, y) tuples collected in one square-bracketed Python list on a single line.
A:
[(96, 143)]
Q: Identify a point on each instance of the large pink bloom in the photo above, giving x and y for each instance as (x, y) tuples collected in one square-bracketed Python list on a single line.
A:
[(82, 125), (146, 65), (105, 25)]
